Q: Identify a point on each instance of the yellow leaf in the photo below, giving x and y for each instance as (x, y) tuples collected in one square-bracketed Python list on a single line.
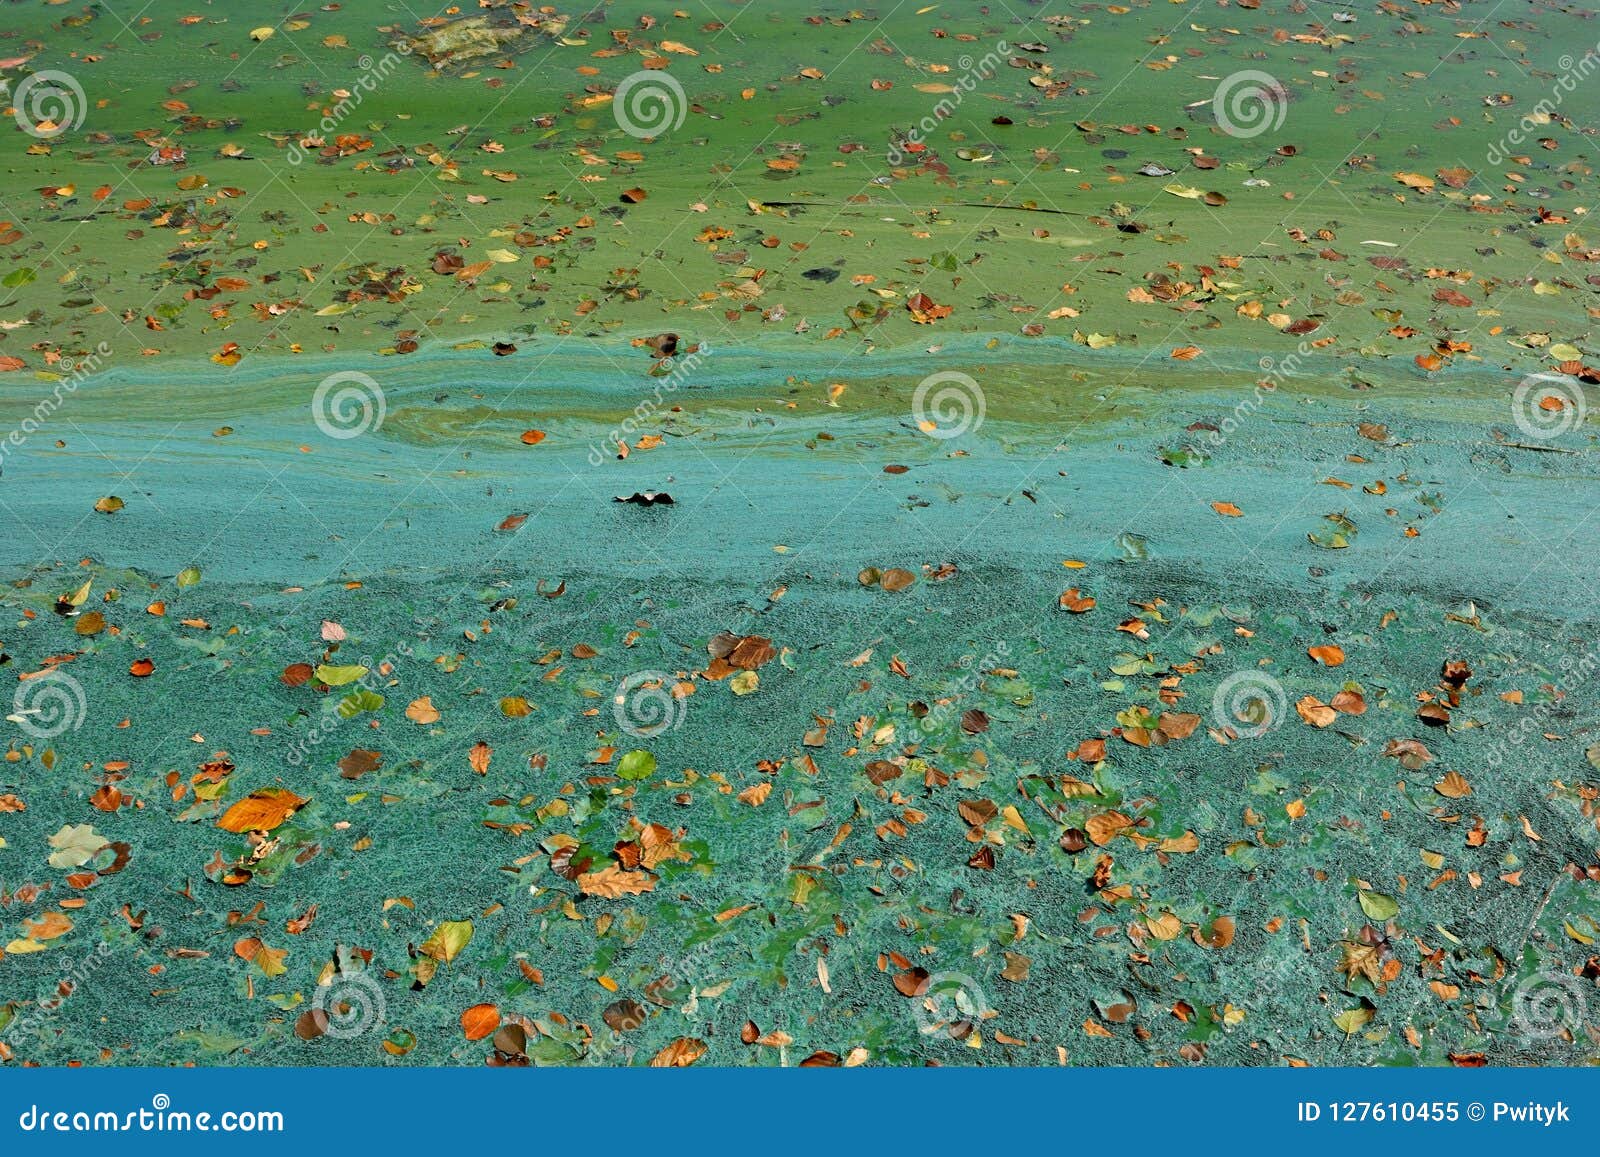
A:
[(448, 941)]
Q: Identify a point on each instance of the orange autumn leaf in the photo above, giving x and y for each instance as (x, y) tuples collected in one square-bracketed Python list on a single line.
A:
[(679, 1054), (1227, 509), (48, 926), (260, 811), (1075, 601), (478, 757), (532, 437), (480, 1020), (1327, 654), (1315, 712)]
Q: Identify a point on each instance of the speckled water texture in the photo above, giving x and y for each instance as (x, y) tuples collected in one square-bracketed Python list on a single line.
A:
[(1101, 618)]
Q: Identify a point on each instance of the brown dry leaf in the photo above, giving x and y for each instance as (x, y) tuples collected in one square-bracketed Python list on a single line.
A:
[(1454, 785), (681, 1053), (1349, 703), (1222, 932), (1315, 712), (1104, 827), (1165, 926), (422, 711), (612, 883), (1178, 724), (478, 757), (896, 579), (912, 982)]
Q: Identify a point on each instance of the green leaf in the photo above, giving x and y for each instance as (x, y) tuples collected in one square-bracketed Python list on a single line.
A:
[(339, 676), (1352, 1020), (188, 577), (637, 765), (18, 277), (358, 701), (1378, 905)]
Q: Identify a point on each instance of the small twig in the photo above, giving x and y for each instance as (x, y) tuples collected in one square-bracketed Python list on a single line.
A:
[(1530, 446)]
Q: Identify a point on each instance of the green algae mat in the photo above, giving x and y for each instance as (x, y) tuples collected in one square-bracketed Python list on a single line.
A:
[(779, 534)]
